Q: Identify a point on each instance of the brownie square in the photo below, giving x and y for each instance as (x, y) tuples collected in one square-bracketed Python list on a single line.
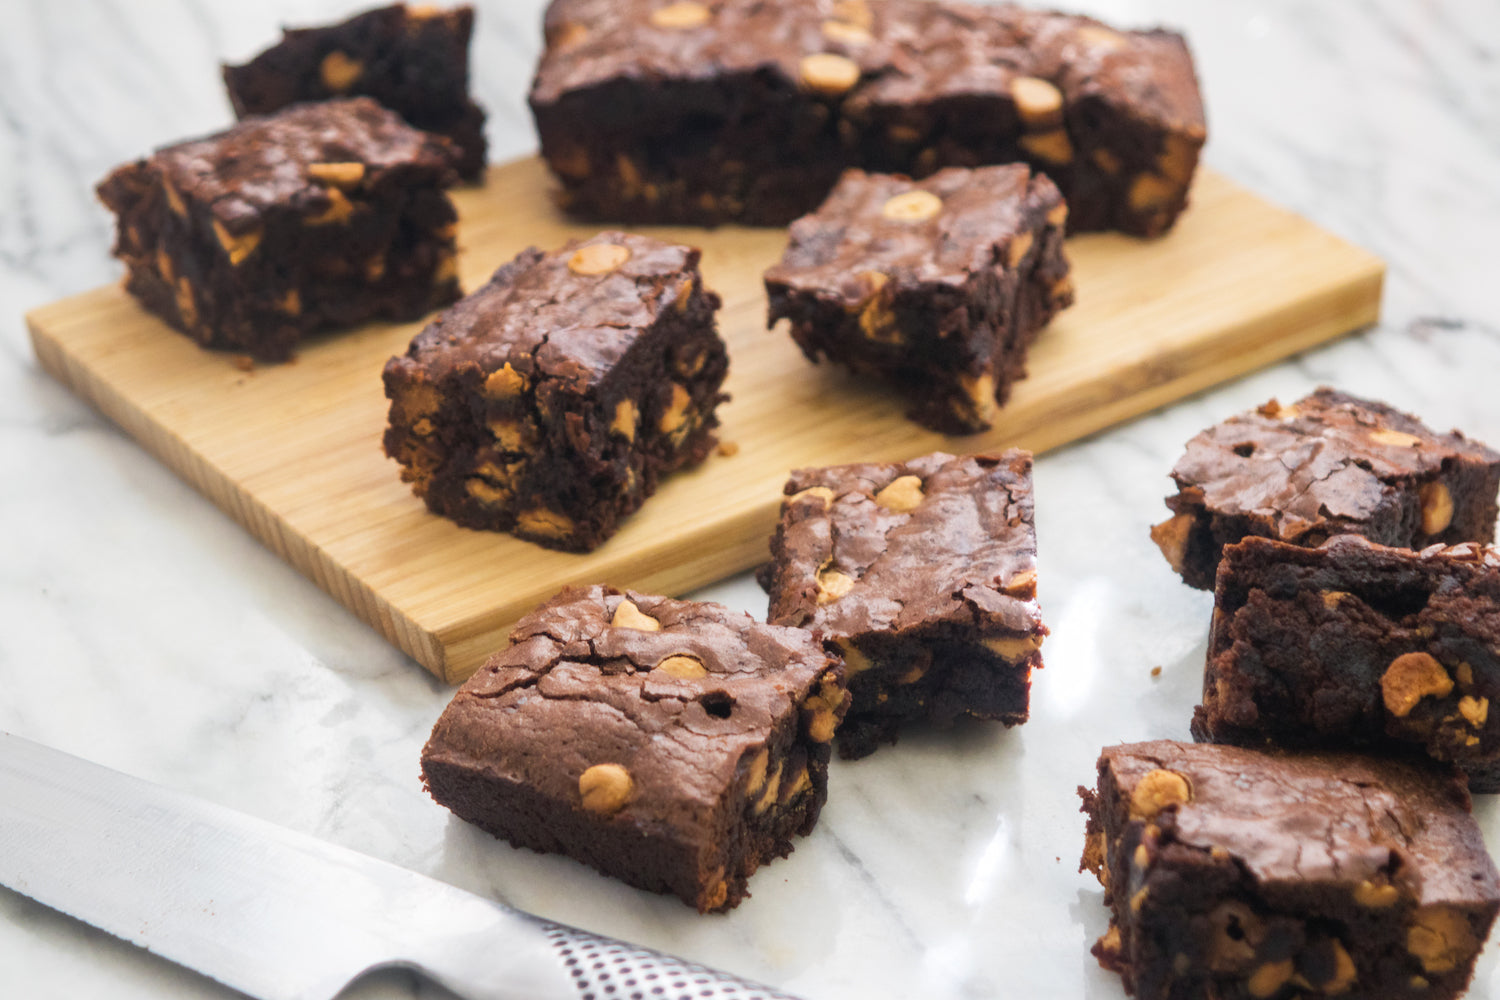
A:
[(1330, 464), (939, 286), (550, 402), (321, 216), (748, 110), (414, 60), (1356, 645), (672, 744), (1237, 873), (922, 574)]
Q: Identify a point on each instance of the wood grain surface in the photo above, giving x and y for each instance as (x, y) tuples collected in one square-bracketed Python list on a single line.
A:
[(292, 451)]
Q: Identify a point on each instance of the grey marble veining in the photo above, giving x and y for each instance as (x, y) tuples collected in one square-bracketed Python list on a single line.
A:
[(141, 628)]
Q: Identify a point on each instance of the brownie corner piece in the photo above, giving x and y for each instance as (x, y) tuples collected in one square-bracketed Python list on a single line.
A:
[(1354, 645), (1329, 464), (674, 745), (922, 575), (413, 59), (1233, 872), (317, 217), (940, 286), (550, 402)]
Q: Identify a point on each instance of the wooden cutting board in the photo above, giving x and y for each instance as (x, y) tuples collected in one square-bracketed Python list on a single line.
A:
[(292, 451)]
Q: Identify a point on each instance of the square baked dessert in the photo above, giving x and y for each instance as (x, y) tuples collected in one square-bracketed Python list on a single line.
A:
[(414, 60), (1234, 873), (940, 286), (672, 744), (1330, 464), (922, 574), (320, 216), (1354, 645), (551, 401), (748, 110)]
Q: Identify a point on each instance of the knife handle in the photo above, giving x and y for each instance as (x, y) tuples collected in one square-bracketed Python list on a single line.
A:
[(597, 963)]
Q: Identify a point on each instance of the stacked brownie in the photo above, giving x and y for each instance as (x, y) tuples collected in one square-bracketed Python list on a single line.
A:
[(413, 60), (320, 216), (749, 110), (1269, 861)]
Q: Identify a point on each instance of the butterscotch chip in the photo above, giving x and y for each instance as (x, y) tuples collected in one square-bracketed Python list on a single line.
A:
[(1038, 102), (598, 258), (846, 33), (829, 74), (504, 383), (683, 667), (1158, 790), (1437, 508), (902, 495), (1050, 147), (627, 615), (339, 72), (605, 788), (680, 16), (344, 175), (1410, 678), (1395, 439), (1441, 939), (833, 585), (238, 247), (545, 523), (1019, 248), (912, 206)]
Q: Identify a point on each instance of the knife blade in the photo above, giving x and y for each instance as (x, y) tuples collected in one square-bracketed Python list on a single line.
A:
[(280, 915)]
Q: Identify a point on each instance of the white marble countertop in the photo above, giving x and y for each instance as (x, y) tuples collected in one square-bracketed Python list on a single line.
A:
[(143, 629)]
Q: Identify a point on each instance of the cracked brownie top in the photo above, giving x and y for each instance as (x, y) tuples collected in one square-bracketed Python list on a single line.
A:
[(680, 693), (1327, 458), (1295, 818), (934, 541), (571, 314)]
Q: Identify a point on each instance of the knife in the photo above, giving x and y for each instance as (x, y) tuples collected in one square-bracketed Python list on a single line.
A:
[(281, 915)]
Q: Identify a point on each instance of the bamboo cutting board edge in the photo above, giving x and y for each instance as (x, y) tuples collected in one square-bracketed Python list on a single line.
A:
[(451, 633)]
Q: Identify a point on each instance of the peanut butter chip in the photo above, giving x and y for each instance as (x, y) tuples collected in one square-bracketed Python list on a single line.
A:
[(1022, 585), (829, 74), (822, 493), (1476, 711), (605, 788), (1099, 37), (1375, 896), (598, 258), (683, 667), (833, 585), (1437, 508), (1396, 439), (504, 383), (680, 16), (1020, 245), (912, 206), (344, 175), (902, 496), (1037, 101), (545, 523), (238, 247), (1012, 647), (626, 417), (1410, 678), (627, 615), (1441, 939), (1156, 791), (339, 71)]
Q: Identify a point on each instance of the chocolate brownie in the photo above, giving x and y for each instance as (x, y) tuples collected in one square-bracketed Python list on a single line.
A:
[(922, 574), (1233, 873), (1330, 464), (414, 60), (939, 285), (675, 745), (748, 110), (320, 216), (551, 401), (1356, 645)]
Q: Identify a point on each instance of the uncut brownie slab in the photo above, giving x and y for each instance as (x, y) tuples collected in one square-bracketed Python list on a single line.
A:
[(922, 574), (748, 110), (320, 216), (672, 744), (1356, 645), (414, 60), (1234, 873), (551, 401), (940, 285), (1329, 464)]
